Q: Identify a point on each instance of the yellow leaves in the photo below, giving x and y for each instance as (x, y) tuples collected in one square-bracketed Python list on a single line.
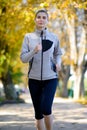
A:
[(69, 6), (65, 4), (54, 14), (28, 15), (82, 101), (0, 11), (2, 59), (41, 5), (67, 60), (80, 4), (44, 5)]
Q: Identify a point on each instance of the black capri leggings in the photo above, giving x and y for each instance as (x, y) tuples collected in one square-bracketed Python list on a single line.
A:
[(42, 95)]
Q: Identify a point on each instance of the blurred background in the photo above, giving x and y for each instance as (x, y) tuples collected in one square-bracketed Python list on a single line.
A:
[(68, 19)]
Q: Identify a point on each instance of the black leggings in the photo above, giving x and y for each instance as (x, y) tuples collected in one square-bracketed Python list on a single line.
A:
[(42, 94)]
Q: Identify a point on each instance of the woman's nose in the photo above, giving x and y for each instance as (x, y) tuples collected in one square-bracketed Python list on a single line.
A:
[(41, 18)]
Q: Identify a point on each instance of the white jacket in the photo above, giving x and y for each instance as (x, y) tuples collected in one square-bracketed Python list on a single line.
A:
[(41, 64)]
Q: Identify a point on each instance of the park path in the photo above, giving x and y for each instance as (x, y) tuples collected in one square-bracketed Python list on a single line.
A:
[(67, 115)]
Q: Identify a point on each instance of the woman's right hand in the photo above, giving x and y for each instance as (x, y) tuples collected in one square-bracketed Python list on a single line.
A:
[(38, 48)]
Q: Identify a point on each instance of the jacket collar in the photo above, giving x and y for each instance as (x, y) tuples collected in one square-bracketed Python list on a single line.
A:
[(39, 32)]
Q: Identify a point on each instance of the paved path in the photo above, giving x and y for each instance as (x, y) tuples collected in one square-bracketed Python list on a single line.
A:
[(67, 115)]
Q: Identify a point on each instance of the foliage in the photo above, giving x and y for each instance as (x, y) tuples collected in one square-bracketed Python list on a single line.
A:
[(15, 21), (82, 101)]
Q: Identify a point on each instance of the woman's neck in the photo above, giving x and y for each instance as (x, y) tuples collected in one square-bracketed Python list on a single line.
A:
[(40, 29)]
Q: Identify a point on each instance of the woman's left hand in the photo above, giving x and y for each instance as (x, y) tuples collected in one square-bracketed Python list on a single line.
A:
[(58, 67)]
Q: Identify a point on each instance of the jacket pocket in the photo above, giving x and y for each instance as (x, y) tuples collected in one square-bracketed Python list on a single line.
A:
[(30, 65), (53, 66)]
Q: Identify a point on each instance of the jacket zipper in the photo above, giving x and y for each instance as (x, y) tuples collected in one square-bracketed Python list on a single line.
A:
[(42, 55), (41, 64)]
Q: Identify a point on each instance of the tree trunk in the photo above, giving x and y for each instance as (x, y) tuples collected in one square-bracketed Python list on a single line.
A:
[(10, 92), (84, 68), (65, 81), (77, 82), (78, 71)]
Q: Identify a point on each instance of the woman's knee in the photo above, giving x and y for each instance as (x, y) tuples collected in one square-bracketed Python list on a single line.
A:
[(47, 111)]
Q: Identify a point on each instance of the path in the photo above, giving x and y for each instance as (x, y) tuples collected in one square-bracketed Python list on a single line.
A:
[(67, 115)]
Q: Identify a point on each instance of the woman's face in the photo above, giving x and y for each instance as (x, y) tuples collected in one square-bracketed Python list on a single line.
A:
[(41, 20)]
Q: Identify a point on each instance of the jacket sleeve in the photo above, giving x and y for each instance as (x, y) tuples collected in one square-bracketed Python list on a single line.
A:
[(26, 55), (57, 52)]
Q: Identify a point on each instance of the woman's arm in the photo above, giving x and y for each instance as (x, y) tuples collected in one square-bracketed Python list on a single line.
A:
[(26, 54), (57, 55)]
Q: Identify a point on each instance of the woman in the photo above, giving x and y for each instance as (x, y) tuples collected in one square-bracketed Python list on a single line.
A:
[(42, 50)]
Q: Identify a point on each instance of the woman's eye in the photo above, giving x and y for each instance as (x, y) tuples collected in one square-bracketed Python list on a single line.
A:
[(44, 17), (38, 17)]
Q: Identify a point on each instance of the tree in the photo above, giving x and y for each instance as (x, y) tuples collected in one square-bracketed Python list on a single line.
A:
[(12, 29), (77, 50), (78, 47)]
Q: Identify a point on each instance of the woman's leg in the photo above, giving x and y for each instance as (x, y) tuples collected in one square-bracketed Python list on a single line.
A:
[(36, 96), (40, 124), (49, 93), (48, 122), (42, 98)]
